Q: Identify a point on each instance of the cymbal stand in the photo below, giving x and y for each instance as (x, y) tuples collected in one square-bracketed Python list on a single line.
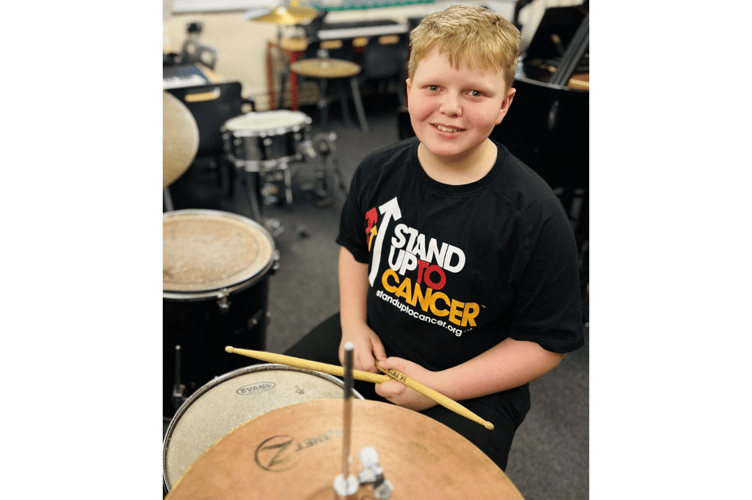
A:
[(178, 390), (373, 473), (284, 74), (346, 485), (329, 177)]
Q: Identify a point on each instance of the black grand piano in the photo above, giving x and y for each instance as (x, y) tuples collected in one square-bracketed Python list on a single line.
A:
[(548, 124)]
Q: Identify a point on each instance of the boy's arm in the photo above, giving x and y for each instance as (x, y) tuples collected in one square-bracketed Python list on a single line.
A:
[(509, 364), (353, 288)]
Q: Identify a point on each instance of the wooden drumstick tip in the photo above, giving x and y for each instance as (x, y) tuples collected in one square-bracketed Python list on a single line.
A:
[(436, 396), (230, 349)]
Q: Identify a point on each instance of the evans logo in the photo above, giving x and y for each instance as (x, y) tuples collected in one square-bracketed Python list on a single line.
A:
[(256, 388)]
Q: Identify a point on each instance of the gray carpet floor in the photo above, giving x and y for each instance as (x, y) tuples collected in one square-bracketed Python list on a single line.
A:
[(550, 455)]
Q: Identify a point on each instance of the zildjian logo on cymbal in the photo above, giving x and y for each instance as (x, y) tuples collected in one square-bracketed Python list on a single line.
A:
[(277, 455)]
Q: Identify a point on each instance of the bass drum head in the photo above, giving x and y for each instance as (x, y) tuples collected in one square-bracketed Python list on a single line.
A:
[(205, 250), (229, 401)]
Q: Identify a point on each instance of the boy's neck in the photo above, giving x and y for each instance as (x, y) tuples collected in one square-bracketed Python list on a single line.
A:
[(458, 171)]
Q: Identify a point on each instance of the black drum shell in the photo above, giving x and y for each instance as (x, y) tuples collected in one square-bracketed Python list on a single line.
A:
[(202, 330), (217, 267)]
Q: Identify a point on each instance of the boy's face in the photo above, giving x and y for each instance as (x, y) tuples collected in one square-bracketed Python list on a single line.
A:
[(454, 110)]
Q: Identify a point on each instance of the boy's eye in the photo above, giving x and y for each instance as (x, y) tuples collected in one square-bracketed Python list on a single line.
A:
[(433, 88), (476, 93)]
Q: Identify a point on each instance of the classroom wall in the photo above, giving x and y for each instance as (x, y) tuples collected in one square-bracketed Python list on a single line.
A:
[(241, 44)]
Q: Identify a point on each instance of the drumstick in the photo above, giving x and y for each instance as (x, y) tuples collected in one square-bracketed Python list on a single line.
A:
[(339, 371), (444, 401), (365, 377)]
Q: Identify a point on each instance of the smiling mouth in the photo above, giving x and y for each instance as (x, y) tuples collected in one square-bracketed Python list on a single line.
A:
[(442, 128)]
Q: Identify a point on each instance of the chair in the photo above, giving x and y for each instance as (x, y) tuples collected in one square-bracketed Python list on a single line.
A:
[(211, 106), (194, 52), (335, 49), (385, 58)]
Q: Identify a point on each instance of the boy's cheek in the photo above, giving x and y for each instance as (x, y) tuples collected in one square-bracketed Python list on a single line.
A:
[(419, 110)]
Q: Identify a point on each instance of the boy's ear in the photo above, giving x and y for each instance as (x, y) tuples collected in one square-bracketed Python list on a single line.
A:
[(505, 105)]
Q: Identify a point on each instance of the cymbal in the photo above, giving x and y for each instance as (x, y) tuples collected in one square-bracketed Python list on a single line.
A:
[(179, 138), (295, 452), (282, 15)]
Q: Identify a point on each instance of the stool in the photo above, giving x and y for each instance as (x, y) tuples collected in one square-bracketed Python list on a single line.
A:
[(326, 69)]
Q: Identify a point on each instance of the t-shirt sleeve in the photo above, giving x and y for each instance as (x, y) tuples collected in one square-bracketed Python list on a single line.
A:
[(547, 307), (353, 226)]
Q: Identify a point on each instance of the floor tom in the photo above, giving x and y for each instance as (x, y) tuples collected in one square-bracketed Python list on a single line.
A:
[(216, 269)]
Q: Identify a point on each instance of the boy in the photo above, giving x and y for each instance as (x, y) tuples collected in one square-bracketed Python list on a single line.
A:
[(458, 266)]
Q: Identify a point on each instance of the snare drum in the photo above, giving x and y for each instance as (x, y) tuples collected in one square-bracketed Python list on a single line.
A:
[(266, 140), (216, 269), (233, 399)]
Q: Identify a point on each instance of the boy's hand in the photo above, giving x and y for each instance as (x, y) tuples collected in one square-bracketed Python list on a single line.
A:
[(400, 394), (368, 348)]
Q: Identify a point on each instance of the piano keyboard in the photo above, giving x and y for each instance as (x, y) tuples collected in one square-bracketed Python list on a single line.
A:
[(171, 82)]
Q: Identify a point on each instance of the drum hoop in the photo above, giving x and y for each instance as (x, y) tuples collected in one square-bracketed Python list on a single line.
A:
[(223, 378), (302, 122), (219, 291), (244, 281)]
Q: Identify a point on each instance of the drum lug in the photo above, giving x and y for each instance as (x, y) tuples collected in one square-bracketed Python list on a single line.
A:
[(223, 301), (275, 266), (178, 396), (256, 319)]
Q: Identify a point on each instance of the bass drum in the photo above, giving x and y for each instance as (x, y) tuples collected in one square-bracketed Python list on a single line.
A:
[(233, 399), (216, 269)]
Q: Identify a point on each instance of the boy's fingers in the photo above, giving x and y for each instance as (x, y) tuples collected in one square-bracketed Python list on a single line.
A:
[(366, 362), (389, 389), (391, 363), (378, 351)]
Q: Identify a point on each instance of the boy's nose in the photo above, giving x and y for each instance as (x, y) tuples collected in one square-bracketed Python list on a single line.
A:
[(450, 105)]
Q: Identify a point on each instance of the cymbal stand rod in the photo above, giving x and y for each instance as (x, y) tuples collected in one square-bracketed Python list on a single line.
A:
[(347, 420), (178, 389), (345, 484), (177, 365)]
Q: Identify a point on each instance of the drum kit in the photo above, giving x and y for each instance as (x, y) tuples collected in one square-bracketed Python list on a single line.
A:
[(275, 431), (217, 265), (261, 144)]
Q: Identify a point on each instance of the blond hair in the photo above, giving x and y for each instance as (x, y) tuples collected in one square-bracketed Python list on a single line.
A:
[(469, 34)]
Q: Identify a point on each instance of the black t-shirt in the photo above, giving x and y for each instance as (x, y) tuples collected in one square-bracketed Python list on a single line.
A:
[(454, 270)]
